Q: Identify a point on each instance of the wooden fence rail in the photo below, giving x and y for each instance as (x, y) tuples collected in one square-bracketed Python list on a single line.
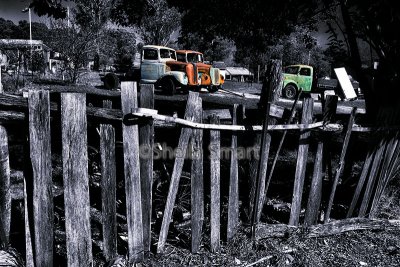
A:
[(138, 135)]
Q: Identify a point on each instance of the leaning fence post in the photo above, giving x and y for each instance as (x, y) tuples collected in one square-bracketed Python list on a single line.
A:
[(301, 164), (270, 92), (233, 205), (146, 142), (177, 170), (130, 134), (76, 179), (40, 155), (5, 193), (197, 185), (215, 167), (341, 164), (108, 187)]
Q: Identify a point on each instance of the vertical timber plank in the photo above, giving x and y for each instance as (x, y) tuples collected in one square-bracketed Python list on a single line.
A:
[(177, 170), (146, 142), (130, 134), (76, 179), (215, 169), (197, 186), (233, 203), (5, 193), (108, 190), (40, 155), (314, 198), (302, 154), (272, 85), (341, 164)]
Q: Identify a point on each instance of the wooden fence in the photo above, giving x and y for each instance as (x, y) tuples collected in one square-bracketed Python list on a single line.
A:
[(138, 130)]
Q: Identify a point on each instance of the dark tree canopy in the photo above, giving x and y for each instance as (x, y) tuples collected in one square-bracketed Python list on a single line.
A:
[(51, 8)]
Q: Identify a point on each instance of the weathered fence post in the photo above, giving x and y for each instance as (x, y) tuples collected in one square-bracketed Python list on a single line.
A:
[(197, 185), (40, 155), (270, 92), (108, 187), (130, 134), (301, 164), (315, 195), (233, 203), (215, 167), (146, 142), (177, 170), (5, 195), (76, 179), (314, 198), (329, 109), (341, 164)]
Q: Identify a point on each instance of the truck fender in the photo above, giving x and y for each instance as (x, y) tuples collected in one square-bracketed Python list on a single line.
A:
[(178, 77)]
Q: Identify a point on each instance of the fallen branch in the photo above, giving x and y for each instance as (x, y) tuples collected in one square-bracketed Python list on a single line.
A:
[(332, 228), (268, 257)]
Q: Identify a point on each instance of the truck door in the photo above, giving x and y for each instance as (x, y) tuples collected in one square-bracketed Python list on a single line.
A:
[(305, 79)]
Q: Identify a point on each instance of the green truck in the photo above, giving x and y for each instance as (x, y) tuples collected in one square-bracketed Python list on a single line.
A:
[(303, 76)]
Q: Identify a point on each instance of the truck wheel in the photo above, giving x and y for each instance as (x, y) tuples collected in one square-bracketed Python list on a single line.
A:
[(111, 81), (169, 87), (212, 88), (289, 91)]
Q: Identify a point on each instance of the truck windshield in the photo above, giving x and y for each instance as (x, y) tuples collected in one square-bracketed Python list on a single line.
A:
[(291, 70), (194, 57), (150, 54), (167, 53)]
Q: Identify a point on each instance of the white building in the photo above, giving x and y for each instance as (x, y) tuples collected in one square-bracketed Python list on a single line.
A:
[(239, 74)]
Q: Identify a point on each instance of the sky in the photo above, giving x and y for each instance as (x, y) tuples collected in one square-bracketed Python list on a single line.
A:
[(12, 10)]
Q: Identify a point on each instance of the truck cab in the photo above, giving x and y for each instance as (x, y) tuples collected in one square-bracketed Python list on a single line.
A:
[(209, 76), (296, 77)]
